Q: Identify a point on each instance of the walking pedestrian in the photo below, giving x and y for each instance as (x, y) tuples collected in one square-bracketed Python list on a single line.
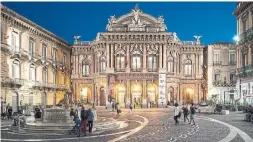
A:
[(113, 106), (90, 120), (130, 108), (84, 121), (9, 112), (192, 113), (176, 113), (186, 112), (134, 105)]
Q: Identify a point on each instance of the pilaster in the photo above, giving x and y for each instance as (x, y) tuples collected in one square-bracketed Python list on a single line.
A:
[(128, 59), (144, 58)]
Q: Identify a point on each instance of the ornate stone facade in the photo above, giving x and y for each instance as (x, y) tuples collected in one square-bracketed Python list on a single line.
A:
[(222, 72), (244, 15), (124, 63), (35, 65)]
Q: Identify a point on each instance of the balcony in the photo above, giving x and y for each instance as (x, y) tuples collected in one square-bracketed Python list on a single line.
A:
[(219, 83), (136, 70), (245, 71), (120, 70), (6, 81), (217, 63), (152, 70), (232, 63), (246, 36)]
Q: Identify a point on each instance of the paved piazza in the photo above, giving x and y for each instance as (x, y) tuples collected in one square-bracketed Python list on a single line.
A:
[(156, 125)]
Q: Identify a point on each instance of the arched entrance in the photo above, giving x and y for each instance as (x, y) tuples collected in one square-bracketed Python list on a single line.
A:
[(152, 95), (188, 94), (85, 97), (171, 98), (14, 101), (120, 94), (136, 91), (102, 97)]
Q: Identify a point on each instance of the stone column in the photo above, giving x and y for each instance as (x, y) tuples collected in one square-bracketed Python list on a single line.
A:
[(160, 56), (128, 59), (144, 95), (93, 99), (128, 92), (112, 55), (237, 58), (249, 54), (164, 56), (250, 19), (144, 58), (107, 56)]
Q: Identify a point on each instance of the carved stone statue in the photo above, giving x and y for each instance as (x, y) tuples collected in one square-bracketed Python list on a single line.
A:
[(197, 39), (113, 19), (98, 36)]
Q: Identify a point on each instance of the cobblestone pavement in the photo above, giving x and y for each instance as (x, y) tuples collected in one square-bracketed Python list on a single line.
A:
[(160, 128)]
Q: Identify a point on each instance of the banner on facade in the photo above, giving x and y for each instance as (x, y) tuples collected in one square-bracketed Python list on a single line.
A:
[(162, 88), (110, 84)]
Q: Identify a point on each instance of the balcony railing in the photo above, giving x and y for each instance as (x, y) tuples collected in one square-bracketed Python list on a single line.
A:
[(219, 83), (217, 63), (136, 70), (120, 70), (189, 42), (243, 36), (18, 81), (15, 49), (152, 70), (245, 71), (232, 62)]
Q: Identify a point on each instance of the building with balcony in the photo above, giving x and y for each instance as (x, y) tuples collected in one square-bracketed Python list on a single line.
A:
[(244, 15), (137, 61), (222, 71), (35, 63)]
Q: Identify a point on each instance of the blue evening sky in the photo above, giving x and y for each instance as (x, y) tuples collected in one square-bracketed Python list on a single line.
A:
[(212, 20)]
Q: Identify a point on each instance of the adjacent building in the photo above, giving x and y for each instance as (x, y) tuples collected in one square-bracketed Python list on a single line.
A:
[(244, 15), (35, 63), (222, 72), (137, 61)]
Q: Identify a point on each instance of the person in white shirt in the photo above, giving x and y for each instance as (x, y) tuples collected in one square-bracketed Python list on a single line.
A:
[(176, 113)]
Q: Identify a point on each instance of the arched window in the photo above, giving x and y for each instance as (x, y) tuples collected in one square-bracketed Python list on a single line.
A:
[(120, 61), (152, 62), (32, 72), (54, 77), (44, 74), (86, 68), (170, 64), (102, 64), (188, 68), (136, 61), (16, 69)]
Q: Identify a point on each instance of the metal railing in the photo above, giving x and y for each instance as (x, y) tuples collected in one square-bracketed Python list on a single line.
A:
[(152, 70), (232, 62), (217, 63), (245, 34), (120, 70), (136, 70)]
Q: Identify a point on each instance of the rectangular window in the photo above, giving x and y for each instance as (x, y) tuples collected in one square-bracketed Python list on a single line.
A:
[(15, 41), (136, 63), (232, 59), (44, 51), (31, 47), (232, 77), (44, 76), (170, 66), (54, 55), (86, 70), (188, 70), (64, 59), (216, 57), (216, 77), (244, 25), (13, 71)]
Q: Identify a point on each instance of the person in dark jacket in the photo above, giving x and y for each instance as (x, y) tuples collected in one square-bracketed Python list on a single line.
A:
[(192, 113), (186, 112), (72, 112), (90, 120), (9, 113), (84, 121)]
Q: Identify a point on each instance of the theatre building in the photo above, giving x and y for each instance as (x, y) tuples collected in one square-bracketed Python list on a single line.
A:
[(137, 61)]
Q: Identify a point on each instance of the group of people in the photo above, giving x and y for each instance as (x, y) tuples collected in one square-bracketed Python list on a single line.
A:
[(87, 118), (186, 111)]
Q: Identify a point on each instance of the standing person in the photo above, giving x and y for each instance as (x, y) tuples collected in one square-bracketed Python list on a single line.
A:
[(186, 112), (84, 121), (118, 108), (112, 106), (134, 105), (192, 113), (176, 113), (9, 112), (130, 108), (90, 120)]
